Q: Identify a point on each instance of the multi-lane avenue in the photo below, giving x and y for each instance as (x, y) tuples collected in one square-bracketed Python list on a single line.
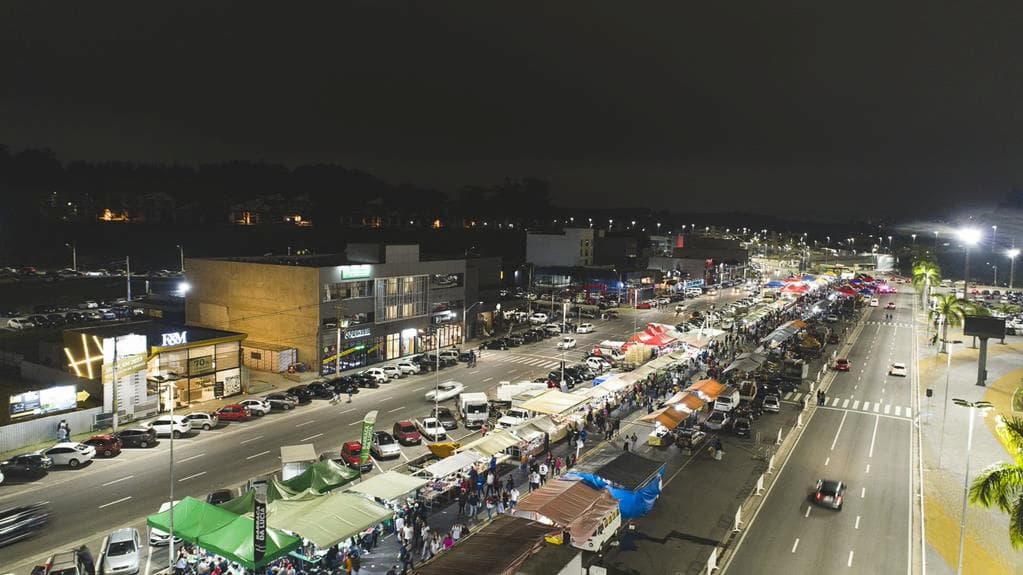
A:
[(90, 502), (862, 435)]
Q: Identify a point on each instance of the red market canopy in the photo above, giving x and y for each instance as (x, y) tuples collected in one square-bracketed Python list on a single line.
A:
[(794, 288)]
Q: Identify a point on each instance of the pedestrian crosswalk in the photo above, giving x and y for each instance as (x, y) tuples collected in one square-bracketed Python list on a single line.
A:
[(890, 323), (855, 404), (538, 362)]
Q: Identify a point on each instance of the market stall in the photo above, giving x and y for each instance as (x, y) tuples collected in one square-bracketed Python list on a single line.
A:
[(326, 520), (634, 480), (707, 389), (443, 476), (494, 443), (498, 548), (590, 515), (554, 402), (388, 486)]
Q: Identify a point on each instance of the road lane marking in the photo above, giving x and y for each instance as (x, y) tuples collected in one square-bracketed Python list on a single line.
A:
[(845, 404), (419, 388), (827, 461), (311, 437), (354, 423), (844, 414), (850, 558), (834, 403), (898, 411), (857, 526), (512, 371), (887, 409), (121, 500), (866, 406), (868, 470), (907, 413), (877, 407), (262, 453), (118, 480), (389, 397), (191, 458), (863, 493), (794, 545), (306, 423), (873, 436), (351, 409), (396, 409), (252, 439), (808, 508), (484, 380), (474, 372), (856, 404), (193, 476)]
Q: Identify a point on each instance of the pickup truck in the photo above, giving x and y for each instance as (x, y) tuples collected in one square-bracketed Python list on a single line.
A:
[(514, 416), (431, 429)]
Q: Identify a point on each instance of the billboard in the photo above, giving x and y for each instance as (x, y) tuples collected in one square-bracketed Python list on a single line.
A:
[(984, 326), (43, 401)]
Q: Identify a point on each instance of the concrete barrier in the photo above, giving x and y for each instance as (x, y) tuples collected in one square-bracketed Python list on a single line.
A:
[(712, 561), (760, 485)]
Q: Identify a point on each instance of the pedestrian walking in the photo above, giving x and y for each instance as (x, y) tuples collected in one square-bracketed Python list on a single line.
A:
[(543, 470), (534, 481)]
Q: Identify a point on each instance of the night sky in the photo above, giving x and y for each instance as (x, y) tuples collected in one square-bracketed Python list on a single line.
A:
[(805, 107)]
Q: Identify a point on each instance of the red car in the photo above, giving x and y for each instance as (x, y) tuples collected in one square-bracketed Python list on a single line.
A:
[(106, 445), (351, 453), (643, 305), (233, 412), (842, 364), (406, 433)]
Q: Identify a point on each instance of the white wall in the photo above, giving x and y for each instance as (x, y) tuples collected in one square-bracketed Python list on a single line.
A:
[(44, 429), (573, 248)]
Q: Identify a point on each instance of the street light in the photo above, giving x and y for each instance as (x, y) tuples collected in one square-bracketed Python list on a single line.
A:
[(948, 371), (181, 253), (465, 311), (74, 255), (1012, 253), (994, 237), (984, 407), (969, 237)]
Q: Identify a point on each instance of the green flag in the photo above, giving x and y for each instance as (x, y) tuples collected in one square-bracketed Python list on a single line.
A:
[(367, 435)]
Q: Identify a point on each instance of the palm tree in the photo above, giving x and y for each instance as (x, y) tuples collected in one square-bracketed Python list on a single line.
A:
[(950, 310), (925, 272), (1001, 485)]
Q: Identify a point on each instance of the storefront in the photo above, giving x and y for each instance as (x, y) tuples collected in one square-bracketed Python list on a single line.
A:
[(146, 365), (362, 347)]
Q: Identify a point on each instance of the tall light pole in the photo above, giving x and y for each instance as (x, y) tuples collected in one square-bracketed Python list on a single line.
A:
[(181, 253), (1012, 253), (969, 237), (914, 238), (983, 406), (74, 255), (948, 371), (994, 237), (465, 311)]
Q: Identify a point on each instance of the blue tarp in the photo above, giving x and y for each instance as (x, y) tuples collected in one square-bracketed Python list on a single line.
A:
[(866, 291), (601, 379), (775, 284), (632, 504), (809, 278)]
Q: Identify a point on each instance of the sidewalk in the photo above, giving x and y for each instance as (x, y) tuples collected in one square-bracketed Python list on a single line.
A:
[(987, 543)]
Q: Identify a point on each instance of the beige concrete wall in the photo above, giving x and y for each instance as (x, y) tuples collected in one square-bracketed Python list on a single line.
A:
[(271, 303)]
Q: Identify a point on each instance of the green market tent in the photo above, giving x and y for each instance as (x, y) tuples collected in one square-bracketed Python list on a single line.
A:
[(235, 543), (321, 476), (327, 520), (192, 519)]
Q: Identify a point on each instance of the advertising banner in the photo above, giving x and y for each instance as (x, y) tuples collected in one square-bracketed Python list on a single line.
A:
[(259, 523), (367, 435)]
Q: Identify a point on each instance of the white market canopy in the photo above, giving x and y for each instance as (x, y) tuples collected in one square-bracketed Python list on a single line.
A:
[(388, 486), (449, 465), (298, 453), (495, 442), (554, 402)]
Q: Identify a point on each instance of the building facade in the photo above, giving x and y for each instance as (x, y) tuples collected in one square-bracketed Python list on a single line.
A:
[(573, 247)]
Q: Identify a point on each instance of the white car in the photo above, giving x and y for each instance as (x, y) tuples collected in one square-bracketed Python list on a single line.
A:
[(407, 367), (20, 323), (393, 371), (898, 369), (165, 425), (377, 374), (566, 343), (431, 429), (157, 537), (256, 406), (771, 404), (70, 454), (874, 302), (445, 391), (203, 420), (123, 553), (597, 364), (717, 420), (584, 328), (538, 318)]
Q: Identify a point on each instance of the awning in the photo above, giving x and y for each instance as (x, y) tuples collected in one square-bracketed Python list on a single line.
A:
[(388, 486), (571, 504), (669, 416), (495, 442), (192, 519), (690, 402), (625, 469), (449, 465), (783, 332), (747, 362), (321, 477), (235, 543), (327, 520), (707, 389), (298, 453), (499, 548), (553, 402)]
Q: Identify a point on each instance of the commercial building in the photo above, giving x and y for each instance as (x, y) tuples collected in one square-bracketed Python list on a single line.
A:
[(382, 301), (153, 363), (572, 247), (696, 258)]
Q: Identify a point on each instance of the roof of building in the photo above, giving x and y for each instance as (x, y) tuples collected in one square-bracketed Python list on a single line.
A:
[(153, 330), (308, 261)]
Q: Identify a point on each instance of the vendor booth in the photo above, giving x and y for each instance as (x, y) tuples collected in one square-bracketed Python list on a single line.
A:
[(632, 479), (707, 389), (444, 477), (589, 515), (498, 548), (388, 486)]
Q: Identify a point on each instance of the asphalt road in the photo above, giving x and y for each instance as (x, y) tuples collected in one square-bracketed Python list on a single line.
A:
[(862, 436), (107, 494)]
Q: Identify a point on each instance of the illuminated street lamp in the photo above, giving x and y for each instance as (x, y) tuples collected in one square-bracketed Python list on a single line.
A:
[(994, 236), (914, 238), (1012, 264), (969, 237), (984, 407)]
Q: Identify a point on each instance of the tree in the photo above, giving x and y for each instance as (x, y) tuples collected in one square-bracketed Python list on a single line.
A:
[(950, 310), (925, 273), (1001, 485)]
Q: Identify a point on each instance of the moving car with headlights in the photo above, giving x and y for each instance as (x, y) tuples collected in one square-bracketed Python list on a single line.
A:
[(384, 446), (203, 420), (584, 328), (566, 343), (445, 391), (431, 429), (106, 445), (123, 553), (897, 369), (256, 406), (71, 454), (829, 493), (842, 364)]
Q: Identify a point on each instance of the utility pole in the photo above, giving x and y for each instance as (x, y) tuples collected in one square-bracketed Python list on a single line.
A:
[(127, 275), (340, 337), (181, 253)]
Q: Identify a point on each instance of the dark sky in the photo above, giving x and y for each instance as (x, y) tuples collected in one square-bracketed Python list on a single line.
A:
[(769, 106)]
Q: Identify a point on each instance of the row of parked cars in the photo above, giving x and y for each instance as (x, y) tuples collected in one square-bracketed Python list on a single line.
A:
[(51, 316)]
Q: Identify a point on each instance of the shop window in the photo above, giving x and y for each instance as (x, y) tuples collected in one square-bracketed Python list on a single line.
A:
[(174, 361), (393, 346), (227, 355)]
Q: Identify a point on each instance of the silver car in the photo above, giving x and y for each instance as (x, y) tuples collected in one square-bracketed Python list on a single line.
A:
[(123, 553), (384, 446)]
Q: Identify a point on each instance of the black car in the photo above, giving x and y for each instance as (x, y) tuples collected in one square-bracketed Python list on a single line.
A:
[(444, 361), (424, 363), (742, 426), (531, 336), (828, 493), (320, 390), (445, 417), (74, 317), (498, 343), (301, 393), (344, 384), (57, 320), (281, 401), (21, 522), (219, 496), (136, 437), (41, 321), (513, 341), (365, 380), (26, 466)]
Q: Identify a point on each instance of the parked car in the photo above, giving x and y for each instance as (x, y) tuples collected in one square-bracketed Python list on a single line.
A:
[(718, 420), (365, 380), (407, 367), (26, 466), (498, 343), (171, 426), (320, 390), (158, 537), (70, 454), (384, 446), (829, 493), (137, 437), (584, 328), (281, 401), (831, 318), (123, 553), (106, 445), (20, 323), (842, 364), (23, 521), (431, 429), (203, 420), (393, 371), (643, 305), (300, 393), (873, 302), (566, 343), (771, 404), (406, 433), (445, 391), (66, 563), (538, 318), (743, 427), (351, 454), (597, 365), (219, 496), (234, 412), (377, 374), (897, 369), (445, 416), (256, 406)]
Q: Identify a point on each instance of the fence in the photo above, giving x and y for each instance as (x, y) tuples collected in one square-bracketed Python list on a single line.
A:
[(43, 429)]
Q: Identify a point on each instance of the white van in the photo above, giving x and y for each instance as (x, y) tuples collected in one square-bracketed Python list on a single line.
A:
[(538, 318), (694, 292), (728, 400), (610, 350)]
